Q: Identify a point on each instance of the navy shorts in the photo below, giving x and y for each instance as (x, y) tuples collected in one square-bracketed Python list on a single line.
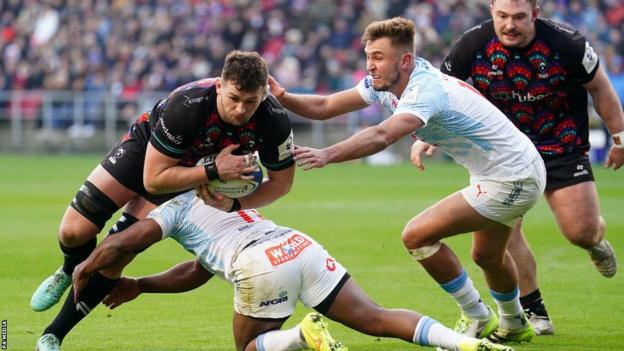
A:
[(568, 169), (125, 161)]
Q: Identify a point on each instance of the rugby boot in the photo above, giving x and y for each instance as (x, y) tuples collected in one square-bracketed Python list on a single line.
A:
[(482, 345), (50, 291), (317, 335), (603, 258), (542, 325), (48, 342)]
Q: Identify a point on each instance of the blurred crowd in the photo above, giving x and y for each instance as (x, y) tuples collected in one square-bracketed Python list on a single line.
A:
[(128, 46)]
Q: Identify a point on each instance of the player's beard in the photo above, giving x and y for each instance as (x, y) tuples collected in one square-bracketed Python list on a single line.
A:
[(394, 78)]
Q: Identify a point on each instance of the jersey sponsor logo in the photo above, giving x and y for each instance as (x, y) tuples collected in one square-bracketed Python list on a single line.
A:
[(516, 95), (285, 149), (495, 71), (176, 139), (590, 59), (282, 297), (189, 101), (288, 250), (118, 154)]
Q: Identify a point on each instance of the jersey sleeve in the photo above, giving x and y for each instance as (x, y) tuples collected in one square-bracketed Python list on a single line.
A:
[(277, 151), (459, 60), (583, 63), (178, 124), (170, 214), (365, 88)]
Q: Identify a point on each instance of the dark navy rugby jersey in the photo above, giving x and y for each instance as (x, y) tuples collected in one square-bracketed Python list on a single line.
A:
[(187, 126), (538, 87)]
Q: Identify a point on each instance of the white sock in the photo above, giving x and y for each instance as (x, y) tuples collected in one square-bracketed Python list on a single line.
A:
[(467, 297), (281, 340), (430, 332), (509, 309)]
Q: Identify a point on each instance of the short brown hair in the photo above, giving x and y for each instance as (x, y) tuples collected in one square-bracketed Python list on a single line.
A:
[(400, 31), (247, 70), (532, 2)]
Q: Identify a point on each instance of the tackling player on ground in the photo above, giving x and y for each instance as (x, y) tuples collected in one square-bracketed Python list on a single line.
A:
[(271, 268)]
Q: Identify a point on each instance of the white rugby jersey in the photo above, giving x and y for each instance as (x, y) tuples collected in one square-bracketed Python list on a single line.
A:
[(213, 236), (461, 122)]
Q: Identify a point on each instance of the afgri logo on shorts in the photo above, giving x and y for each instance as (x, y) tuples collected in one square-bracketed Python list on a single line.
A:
[(287, 250), (281, 297)]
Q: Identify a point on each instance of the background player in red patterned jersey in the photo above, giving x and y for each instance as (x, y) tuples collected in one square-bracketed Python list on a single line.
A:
[(538, 72)]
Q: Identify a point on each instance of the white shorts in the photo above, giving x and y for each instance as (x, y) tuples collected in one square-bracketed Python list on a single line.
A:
[(271, 276), (506, 201)]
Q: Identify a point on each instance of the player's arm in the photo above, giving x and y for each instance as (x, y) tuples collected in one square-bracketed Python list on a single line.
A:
[(609, 109), (162, 174), (183, 277), (319, 107), (367, 142), (277, 185), (115, 248)]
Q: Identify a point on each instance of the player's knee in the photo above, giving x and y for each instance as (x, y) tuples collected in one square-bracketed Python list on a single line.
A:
[(413, 238), (585, 233), (486, 260), (94, 205), (72, 234)]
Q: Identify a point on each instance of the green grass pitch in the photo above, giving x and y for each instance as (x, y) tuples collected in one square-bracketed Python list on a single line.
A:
[(354, 210)]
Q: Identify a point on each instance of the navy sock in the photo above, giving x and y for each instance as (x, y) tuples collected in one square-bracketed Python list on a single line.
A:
[(75, 255), (72, 313)]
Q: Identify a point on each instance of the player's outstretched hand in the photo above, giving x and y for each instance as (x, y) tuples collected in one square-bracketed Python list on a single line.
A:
[(233, 166), (418, 148), (615, 158), (127, 289), (308, 158), (79, 279)]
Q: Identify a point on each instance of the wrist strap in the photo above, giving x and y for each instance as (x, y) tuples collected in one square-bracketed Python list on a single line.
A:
[(236, 205), (618, 140), (211, 171)]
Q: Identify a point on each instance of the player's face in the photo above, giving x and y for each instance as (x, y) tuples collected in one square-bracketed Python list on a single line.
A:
[(236, 106), (514, 21), (383, 63)]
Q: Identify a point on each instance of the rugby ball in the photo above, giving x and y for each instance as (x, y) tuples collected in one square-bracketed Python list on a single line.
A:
[(234, 188)]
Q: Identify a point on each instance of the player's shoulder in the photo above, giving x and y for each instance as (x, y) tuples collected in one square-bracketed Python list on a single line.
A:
[(477, 36), (271, 108), (559, 35)]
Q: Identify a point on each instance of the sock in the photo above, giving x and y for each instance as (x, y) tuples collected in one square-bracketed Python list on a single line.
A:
[(281, 340), (123, 222), (71, 313), (533, 303), (430, 332), (509, 309), (75, 255), (467, 297)]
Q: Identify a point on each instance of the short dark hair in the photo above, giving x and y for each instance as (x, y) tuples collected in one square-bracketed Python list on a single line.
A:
[(248, 71), (401, 32), (532, 2)]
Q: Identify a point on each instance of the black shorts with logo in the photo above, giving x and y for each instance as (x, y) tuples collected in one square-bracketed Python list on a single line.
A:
[(568, 169), (124, 161)]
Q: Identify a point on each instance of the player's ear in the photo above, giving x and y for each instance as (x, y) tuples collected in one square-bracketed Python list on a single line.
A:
[(266, 92)]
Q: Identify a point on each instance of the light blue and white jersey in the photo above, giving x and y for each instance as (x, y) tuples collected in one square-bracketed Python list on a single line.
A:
[(461, 122), (213, 236)]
